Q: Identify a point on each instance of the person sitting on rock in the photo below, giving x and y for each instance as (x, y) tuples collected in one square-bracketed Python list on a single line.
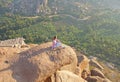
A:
[(56, 43)]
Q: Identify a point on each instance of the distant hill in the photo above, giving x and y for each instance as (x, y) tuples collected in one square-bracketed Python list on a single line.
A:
[(24, 7), (43, 7)]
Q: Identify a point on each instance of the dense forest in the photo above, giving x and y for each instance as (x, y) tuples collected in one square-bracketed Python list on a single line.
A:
[(92, 31)]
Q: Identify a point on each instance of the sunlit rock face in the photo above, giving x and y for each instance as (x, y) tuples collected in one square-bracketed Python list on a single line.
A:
[(36, 64)]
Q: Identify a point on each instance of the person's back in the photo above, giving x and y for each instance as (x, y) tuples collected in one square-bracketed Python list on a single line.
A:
[(55, 42)]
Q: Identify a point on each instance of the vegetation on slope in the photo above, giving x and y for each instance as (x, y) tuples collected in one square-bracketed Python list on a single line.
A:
[(99, 38)]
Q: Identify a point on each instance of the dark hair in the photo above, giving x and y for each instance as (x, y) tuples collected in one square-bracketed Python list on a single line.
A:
[(54, 37)]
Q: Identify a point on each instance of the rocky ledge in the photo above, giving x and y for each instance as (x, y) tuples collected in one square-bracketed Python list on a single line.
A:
[(42, 64)]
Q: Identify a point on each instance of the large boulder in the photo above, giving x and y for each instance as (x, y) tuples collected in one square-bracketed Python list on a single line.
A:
[(5, 71), (94, 63), (66, 76), (106, 80), (83, 63), (97, 72), (39, 63), (94, 79), (97, 79)]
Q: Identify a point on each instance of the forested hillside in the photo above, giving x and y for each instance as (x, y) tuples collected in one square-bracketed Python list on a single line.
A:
[(92, 27)]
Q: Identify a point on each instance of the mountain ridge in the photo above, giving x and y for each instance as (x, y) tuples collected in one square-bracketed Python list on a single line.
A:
[(39, 7)]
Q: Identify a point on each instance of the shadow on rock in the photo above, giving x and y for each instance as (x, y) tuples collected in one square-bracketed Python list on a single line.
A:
[(23, 67)]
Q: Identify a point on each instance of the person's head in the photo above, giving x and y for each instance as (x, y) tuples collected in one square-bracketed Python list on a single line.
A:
[(55, 37)]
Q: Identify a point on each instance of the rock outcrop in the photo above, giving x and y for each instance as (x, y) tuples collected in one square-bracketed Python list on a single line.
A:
[(66, 76), (83, 63), (43, 64), (94, 79), (17, 42), (97, 79), (5, 55), (94, 63), (97, 72), (39, 63)]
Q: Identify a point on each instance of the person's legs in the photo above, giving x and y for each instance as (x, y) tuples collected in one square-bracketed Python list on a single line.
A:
[(58, 44)]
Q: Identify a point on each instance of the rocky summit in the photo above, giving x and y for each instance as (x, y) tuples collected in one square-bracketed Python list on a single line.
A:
[(40, 63), (37, 64)]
